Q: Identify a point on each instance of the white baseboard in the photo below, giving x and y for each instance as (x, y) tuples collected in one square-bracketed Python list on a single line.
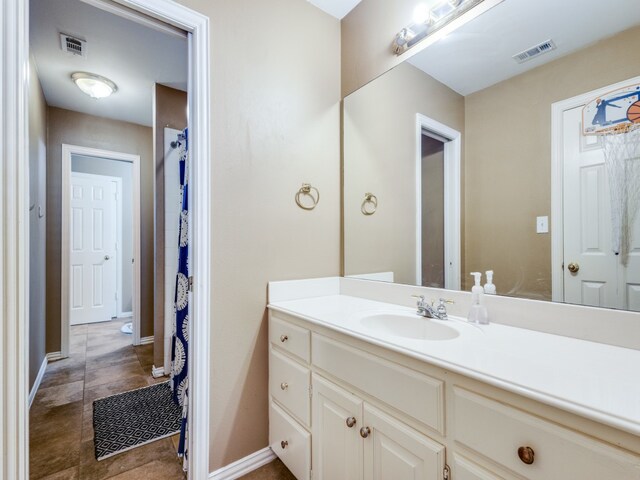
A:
[(124, 315), (245, 465), (53, 356), (157, 372), (36, 384), (146, 340)]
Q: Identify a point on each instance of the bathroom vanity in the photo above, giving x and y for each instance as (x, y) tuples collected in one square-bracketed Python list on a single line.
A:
[(362, 388)]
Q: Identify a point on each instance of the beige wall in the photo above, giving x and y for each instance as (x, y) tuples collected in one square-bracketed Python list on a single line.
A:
[(170, 112), (367, 36), (75, 128), (508, 161), (380, 157), (37, 224), (275, 124)]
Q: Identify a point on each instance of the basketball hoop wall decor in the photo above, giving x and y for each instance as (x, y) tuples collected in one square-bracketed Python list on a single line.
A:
[(614, 112), (615, 117)]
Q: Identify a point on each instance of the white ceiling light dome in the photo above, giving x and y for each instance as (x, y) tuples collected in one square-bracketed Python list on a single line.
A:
[(94, 85)]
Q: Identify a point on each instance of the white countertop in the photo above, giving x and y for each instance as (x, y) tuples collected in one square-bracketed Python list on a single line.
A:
[(597, 381)]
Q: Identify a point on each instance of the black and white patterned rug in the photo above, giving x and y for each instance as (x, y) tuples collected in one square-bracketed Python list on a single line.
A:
[(131, 419)]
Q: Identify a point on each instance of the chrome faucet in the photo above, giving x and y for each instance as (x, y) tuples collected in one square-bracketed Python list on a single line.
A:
[(427, 310)]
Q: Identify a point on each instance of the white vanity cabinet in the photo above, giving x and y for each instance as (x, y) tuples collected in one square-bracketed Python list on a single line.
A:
[(342, 408), (354, 440)]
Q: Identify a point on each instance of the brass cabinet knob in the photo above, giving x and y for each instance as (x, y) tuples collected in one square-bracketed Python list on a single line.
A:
[(365, 432), (284, 444), (526, 454), (283, 338), (351, 421), (573, 267), (284, 385)]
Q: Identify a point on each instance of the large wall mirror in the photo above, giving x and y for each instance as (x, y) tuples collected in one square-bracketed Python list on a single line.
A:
[(470, 156)]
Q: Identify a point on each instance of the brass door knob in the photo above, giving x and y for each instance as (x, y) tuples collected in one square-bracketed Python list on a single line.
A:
[(284, 385), (284, 444), (573, 267), (526, 454), (365, 432), (351, 421), (283, 338)]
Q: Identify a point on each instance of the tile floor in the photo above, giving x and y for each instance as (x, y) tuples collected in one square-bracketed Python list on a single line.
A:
[(273, 471), (102, 362)]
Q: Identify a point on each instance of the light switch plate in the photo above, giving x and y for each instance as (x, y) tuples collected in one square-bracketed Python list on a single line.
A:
[(542, 224)]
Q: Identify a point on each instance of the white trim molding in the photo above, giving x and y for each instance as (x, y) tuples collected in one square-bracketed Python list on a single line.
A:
[(452, 200), (157, 372), (557, 180), (244, 466), (67, 152), (146, 340), (36, 383), (14, 239)]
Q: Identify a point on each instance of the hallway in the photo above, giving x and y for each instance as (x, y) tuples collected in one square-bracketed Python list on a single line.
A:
[(102, 362)]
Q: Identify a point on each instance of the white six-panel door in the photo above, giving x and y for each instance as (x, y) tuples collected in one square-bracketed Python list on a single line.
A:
[(601, 279), (92, 293)]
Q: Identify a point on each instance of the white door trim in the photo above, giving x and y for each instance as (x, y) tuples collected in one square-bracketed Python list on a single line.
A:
[(14, 238), (452, 149), (119, 220), (557, 164), (67, 152)]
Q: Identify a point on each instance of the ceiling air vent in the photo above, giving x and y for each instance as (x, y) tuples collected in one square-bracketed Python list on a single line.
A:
[(73, 45), (533, 52)]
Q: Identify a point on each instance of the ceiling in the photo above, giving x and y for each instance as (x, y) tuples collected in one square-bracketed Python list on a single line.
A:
[(133, 56), (335, 8), (478, 54)]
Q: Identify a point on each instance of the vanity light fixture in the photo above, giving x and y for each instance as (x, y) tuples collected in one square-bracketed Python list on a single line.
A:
[(94, 85), (427, 21)]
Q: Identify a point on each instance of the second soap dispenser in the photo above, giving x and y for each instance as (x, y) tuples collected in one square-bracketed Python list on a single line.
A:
[(478, 312)]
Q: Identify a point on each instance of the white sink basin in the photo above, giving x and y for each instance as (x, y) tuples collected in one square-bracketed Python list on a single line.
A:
[(408, 326)]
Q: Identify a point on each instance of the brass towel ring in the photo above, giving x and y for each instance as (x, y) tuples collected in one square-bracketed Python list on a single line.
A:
[(369, 204), (308, 191)]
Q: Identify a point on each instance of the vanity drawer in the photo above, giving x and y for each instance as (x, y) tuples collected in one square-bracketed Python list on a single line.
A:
[(465, 469), (411, 392), (497, 431), (289, 337), (290, 442), (289, 385)]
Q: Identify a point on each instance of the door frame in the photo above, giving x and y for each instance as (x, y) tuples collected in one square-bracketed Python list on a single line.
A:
[(14, 233), (557, 180), (68, 151), (452, 153)]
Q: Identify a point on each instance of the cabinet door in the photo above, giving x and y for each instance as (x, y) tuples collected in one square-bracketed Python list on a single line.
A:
[(394, 451), (337, 447)]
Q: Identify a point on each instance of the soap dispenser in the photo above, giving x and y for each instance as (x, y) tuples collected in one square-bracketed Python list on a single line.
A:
[(489, 287), (478, 312)]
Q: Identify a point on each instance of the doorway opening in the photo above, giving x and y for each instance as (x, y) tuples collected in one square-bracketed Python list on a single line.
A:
[(101, 241), (437, 204)]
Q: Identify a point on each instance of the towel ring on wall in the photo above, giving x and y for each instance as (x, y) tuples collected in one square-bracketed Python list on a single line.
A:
[(306, 190), (369, 204)]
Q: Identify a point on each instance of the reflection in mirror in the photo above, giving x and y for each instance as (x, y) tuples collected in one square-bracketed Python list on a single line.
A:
[(530, 197)]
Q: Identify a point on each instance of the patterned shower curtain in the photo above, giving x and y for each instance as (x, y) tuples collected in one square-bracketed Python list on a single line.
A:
[(180, 340)]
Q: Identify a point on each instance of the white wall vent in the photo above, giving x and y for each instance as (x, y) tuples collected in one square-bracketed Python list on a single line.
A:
[(533, 52), (73, 45)]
